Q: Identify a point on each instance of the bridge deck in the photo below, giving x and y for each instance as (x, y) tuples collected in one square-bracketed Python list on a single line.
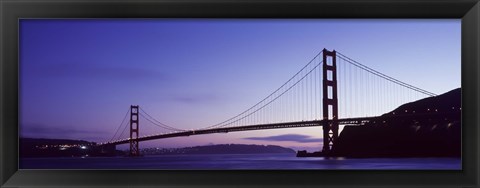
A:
[(345, 121)]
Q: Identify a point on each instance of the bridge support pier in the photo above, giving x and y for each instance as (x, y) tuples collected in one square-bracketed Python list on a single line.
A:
[(330, 100), (134, 149)]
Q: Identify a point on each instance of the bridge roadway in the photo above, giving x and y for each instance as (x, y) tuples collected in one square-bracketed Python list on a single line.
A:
[(345, 121)]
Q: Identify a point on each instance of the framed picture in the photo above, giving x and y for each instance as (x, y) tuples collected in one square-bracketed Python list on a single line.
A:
[(223, 93)]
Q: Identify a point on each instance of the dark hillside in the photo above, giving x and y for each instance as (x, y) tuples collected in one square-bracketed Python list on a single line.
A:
[(446, 102), (438, 135)]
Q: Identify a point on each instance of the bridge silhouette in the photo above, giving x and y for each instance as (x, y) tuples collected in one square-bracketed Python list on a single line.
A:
[(330, 90)]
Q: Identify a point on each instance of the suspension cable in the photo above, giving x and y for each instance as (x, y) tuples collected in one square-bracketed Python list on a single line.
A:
[(160, 124), (277, 96), (221, 123), (118, 128), (357, 64)]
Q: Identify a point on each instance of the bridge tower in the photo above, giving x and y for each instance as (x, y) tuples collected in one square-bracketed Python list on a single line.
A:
[(134, 149), (330, 100)]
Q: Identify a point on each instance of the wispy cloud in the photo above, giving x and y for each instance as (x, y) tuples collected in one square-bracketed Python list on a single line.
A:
[(100, 72), (288, 137), (50, 131), (196, 99)]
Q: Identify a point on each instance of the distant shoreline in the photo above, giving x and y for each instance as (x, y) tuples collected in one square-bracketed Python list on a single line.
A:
[(219, 149), (44, 148)]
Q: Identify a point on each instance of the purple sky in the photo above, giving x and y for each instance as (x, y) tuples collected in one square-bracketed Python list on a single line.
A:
[(79, 77)]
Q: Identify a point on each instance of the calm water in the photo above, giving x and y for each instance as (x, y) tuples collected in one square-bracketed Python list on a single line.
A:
[(238, 161)]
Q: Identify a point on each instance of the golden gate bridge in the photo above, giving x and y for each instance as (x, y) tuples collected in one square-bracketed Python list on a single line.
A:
[(330, 90)]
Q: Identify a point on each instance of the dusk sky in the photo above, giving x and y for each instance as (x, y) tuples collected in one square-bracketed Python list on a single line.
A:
[(79, 77)]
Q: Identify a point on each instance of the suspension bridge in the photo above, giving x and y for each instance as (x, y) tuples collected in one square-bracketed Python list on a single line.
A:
[(332, 89)]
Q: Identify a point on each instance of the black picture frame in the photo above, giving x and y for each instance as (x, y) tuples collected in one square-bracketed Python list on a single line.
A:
[(12, 10)]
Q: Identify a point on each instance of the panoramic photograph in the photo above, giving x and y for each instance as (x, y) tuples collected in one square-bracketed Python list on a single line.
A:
[(240, 94)]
